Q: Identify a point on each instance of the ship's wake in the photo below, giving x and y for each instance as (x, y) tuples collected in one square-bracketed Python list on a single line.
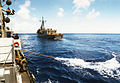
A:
[(109, 68)]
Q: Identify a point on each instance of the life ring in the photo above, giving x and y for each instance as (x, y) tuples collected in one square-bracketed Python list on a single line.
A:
[(16, 44)]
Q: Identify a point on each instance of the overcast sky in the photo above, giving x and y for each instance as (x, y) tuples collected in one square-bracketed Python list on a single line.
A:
[(67, 16)]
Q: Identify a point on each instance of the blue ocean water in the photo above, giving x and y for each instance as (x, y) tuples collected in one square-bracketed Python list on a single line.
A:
[(80, 58)]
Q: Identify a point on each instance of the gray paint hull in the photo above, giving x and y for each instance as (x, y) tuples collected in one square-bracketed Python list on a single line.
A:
[(54, 37)]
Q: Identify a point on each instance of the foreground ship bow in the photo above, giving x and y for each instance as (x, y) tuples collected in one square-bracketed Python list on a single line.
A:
[(13, 64), (48, 33)]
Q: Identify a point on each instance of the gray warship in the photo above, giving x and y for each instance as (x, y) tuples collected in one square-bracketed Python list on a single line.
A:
[(48, 33), (13, 64)]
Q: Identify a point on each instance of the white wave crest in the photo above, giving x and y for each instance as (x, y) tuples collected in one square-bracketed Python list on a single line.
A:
[(106, 68), (64, 39)]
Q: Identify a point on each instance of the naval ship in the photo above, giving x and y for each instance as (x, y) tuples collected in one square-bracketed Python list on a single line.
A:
[(48, 33), (13, 64)]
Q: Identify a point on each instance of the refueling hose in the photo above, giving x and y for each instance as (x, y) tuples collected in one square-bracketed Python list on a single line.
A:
[(39, 54)]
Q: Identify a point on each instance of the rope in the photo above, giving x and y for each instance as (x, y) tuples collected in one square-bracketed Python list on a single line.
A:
[(81, 43), (39, 54), (55, 57)]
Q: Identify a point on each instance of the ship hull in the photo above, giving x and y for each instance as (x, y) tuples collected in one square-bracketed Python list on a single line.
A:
[(53, 37)]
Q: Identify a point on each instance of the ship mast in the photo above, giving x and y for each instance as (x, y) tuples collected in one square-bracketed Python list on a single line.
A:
[(3, 18), (43, 23)]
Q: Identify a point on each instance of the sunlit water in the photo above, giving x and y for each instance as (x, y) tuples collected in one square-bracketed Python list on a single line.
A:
[(80, 58)]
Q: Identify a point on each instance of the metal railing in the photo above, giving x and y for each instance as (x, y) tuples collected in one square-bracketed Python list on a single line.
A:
[(7, 57), (4, 47), (7, 53)]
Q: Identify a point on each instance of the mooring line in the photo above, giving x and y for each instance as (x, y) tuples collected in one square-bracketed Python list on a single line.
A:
[(81, 43), (39, 54)]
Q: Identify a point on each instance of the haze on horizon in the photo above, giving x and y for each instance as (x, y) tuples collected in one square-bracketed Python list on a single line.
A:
[(67, 16)]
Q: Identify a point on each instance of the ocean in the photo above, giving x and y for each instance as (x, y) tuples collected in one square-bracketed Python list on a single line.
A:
[(80, 58)]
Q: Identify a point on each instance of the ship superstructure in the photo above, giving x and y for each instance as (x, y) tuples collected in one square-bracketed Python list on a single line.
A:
[(13, 64), (48, 33)]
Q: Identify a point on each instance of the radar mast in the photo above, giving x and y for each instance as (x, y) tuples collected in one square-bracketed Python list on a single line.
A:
[(43, 23)]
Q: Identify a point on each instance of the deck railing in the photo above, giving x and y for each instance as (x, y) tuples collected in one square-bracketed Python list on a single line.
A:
[(11, 51)]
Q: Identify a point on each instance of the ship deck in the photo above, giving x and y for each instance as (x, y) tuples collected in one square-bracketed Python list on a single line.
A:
[(9, 70), (8, 75)]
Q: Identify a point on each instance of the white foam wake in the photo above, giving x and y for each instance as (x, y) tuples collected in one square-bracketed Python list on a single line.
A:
[(64, 39), (106, 68)]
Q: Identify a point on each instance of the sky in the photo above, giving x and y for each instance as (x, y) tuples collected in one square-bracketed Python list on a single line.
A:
[(67, 16)]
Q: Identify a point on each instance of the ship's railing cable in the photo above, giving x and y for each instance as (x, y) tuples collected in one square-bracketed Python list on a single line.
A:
[(39, 54), (5, 46), (4, 53), (7, 56)]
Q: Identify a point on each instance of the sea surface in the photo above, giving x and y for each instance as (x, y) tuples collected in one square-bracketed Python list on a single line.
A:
[(80, 58)]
